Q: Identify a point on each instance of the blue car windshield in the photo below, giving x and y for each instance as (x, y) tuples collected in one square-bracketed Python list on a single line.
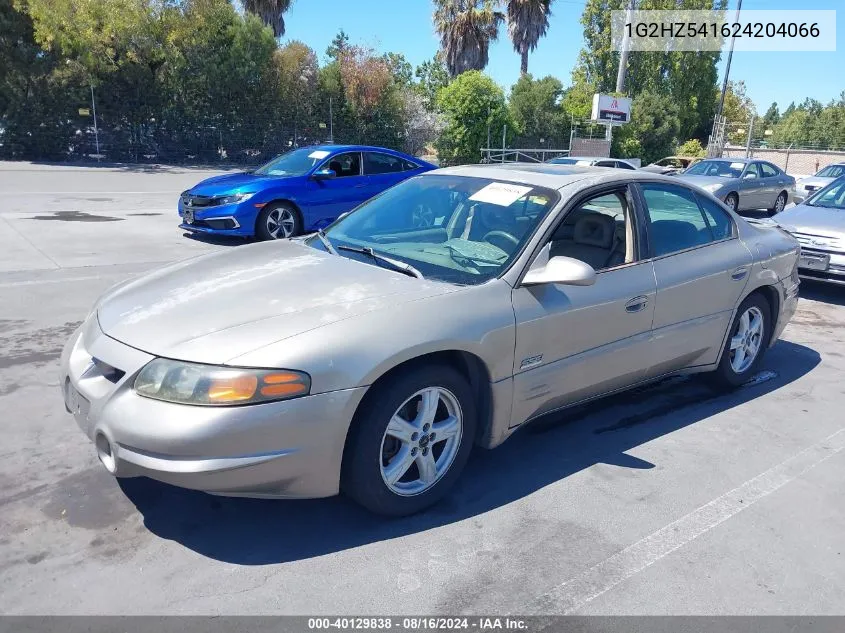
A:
[(457, 229), (295, 163)]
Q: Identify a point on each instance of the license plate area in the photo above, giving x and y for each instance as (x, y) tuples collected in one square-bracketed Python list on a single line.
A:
[(75, 402), (813, 261)]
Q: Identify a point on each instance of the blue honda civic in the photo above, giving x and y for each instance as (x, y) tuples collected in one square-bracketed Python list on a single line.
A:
[(300, 191)]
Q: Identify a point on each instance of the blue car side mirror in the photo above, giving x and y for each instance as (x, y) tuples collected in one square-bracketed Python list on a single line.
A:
[(324, 174)]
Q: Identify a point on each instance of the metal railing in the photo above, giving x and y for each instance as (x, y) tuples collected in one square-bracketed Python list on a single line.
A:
[(521, 155)]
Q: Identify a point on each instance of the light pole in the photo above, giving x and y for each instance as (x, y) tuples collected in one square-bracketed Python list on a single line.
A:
[(623, 54), (96, 131), (728, 65)]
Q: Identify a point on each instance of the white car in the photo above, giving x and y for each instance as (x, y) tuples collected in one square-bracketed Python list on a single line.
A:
[(806, 187)]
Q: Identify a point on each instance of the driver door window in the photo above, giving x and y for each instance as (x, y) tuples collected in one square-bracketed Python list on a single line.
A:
[(345, 165)]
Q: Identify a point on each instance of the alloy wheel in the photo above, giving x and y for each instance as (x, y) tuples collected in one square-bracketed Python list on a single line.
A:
[(421, 441), (747, 339), (780, 203), (280, 223), (731, 202)]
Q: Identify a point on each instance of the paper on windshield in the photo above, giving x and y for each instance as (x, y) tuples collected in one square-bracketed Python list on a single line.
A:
[(500, 193), (737, 165), (318, 154)]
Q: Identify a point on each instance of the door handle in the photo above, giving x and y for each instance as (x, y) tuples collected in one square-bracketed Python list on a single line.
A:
[(636, 304), (739, 273)]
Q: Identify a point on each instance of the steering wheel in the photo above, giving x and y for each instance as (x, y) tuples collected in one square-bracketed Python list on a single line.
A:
[(502, 237)]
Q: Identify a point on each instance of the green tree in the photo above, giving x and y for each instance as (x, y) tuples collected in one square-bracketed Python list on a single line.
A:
[(466, 28), (692, 147), (772, 116), (528, 21), (470, 104), (432, 75), (653, 130), (339, 43), (400, 68), (535, 108), (297, 84), (271, 12), (689, 78)]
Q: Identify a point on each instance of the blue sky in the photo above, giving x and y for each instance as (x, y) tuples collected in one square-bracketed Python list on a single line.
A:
[(405, 26)]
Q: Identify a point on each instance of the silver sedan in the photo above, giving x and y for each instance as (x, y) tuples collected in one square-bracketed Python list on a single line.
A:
[(743, 183), (819, 226), (373, 357)]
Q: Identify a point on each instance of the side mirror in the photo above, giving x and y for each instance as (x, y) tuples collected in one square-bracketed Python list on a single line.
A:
[(324, 174), (749, 175), (560, 270)]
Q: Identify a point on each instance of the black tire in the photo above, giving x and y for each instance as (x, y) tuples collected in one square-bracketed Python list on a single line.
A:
[(725, 376), (780, 203), (263, 231), (735, 198), (361, 477)]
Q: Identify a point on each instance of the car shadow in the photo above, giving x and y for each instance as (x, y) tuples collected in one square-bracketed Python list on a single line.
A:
[(821, 291), (217, 240), (262, 532)]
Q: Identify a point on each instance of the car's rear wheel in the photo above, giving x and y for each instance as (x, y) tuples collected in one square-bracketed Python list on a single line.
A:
[(780, 203), (748, 338), (410, 440), (277, 221), (732, 200)]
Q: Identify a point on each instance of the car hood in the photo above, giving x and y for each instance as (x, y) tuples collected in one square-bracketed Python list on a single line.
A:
[(213, 308), (235, 183), (703, 181), (814, 220), (816, 181), (658, 169)]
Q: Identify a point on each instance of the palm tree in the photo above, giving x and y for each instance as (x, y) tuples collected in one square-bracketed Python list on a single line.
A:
[(272, 12), (466, 28), (528, 21)]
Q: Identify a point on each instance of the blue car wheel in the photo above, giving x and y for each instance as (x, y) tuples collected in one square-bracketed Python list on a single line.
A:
[(278, 221)]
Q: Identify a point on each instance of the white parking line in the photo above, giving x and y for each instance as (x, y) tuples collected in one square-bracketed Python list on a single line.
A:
[(601, 578), (34, 282)]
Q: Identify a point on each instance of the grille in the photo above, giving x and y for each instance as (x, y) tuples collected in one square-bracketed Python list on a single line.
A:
[(199, 202), (828, 244)]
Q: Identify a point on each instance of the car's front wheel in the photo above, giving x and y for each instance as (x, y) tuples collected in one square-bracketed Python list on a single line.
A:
[(780, 203), (410, 440), (732, 200), (278, 221), (747, 341)]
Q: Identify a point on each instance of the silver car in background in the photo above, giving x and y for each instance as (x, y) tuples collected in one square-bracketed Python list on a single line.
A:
[(373, 357), (743, 183), (592, 161), (806, 187), (819, 226)]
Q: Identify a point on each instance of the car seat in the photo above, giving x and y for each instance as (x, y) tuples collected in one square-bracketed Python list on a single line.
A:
[(592, 241)]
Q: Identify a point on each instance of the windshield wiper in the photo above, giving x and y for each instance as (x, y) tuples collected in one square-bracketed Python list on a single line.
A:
[(325, 242), (396, 265)]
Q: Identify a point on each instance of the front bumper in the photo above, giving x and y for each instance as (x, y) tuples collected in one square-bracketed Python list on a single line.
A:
[(292, 448), (835, 272), (230, 219)]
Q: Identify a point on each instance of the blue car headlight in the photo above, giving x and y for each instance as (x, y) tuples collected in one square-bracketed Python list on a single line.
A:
[(235, 198)]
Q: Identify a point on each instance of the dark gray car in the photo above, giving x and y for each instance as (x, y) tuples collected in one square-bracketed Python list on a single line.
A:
[(743, 183)]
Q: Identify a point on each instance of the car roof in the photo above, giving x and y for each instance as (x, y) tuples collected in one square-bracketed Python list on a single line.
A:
[(354, 148), (731, 159), (549, 175)]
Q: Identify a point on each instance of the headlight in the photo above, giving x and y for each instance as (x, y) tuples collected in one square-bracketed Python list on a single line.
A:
[(191, 383), (235, 198)]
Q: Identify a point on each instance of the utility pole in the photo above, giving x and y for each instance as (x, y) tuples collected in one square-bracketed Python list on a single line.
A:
[(748, 142), (623, 54), (96, 131), (728, 65), (504, 139)]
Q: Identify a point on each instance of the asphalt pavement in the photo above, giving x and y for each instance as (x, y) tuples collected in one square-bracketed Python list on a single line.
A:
[(671, 499)]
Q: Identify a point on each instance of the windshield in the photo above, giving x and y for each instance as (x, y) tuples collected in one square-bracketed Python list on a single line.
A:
[(832, 171), (831, 197), (451, 228), (572, 161), (719, 168), (296, 163)]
